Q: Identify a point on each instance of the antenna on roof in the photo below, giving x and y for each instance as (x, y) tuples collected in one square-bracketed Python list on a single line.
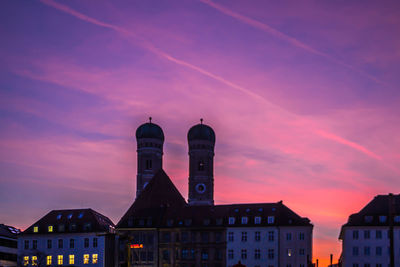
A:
[(150, 119), (201, 121)]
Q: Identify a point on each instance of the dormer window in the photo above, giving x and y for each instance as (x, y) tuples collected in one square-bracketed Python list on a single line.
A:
[(69, 216), (257, 220), (397, 219), (368, 219), (59, 216), (188, 222), (87, 227), (271, 219), (72, 227), (231, 220), (50, 228), (206, 221), (170, 222), (245, 220), (382, 219), (35, 229), (247, 210), (80, 215), (218, 221), (61, 227), (201, 165), (149, 164)]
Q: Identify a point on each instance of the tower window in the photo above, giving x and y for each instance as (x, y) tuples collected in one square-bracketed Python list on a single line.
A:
[(201, 165), (149, 164)]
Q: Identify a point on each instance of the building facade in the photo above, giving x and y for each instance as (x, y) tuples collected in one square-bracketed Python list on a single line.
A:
[(8, 245), (162, 229), (79, 237), (371, 237)]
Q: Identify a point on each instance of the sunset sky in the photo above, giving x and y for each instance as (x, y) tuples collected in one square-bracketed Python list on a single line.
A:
[(303, 96)]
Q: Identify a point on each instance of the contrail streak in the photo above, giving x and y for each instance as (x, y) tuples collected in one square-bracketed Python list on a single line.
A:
[(266, 28), (348, 143), (170, 58)]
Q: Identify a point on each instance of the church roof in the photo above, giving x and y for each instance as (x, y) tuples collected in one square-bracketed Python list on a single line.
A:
[(161, 205), (156, 198)]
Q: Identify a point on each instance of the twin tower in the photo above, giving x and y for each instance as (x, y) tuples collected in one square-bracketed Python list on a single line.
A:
[(201, 139)]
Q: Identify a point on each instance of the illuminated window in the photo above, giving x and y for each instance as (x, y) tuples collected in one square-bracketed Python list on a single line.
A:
[(70, 216), (34, 260), (289, 252), (80, 215), (86, 259), (94, 258), (50, 228), (60, 259), (35, 229), (71, 259), (231, 220), (48, 260), (59, 216), (26, 260)]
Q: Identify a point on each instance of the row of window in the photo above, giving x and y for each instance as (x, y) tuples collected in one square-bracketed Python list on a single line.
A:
[(367, 234), (61, 228), (33, 260), (257, 220), (189, 254), (205, 237), (257, 253), (367, 251), (257, 236), (60, 243), (382, 219)]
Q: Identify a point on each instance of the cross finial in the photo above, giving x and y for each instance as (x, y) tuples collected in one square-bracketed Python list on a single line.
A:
[(150, 119), (201, 121)]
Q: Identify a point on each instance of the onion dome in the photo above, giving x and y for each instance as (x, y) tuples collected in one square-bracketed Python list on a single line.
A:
[(201, 132), (149, 130)]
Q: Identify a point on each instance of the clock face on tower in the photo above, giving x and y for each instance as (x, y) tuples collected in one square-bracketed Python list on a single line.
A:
[(201, 188)]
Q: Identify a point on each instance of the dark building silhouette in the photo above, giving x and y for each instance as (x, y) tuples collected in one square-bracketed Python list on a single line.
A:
[(8, 245), (371, 236), (150, 141), (162, 229)]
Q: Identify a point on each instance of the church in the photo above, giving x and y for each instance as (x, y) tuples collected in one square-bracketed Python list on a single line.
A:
[(161, 228)]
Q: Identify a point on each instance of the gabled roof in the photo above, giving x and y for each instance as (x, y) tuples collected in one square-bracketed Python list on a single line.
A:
[(161, 205), (155, 199), (72, 221), (376, 212)]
